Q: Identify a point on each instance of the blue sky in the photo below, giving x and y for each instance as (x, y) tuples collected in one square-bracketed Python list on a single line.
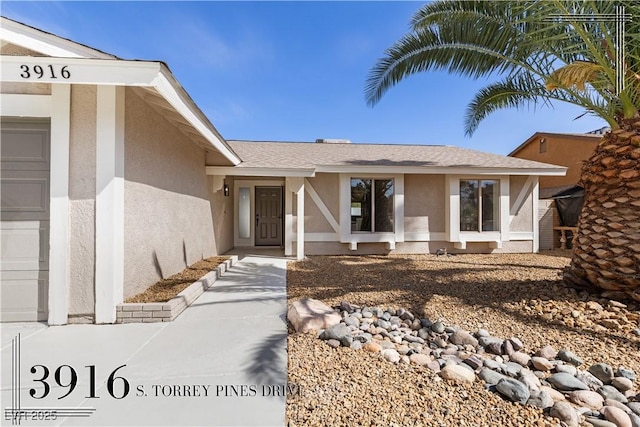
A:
[(294, 71)]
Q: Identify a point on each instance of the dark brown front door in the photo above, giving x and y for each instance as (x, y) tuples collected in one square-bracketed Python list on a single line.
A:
[(268, 216)]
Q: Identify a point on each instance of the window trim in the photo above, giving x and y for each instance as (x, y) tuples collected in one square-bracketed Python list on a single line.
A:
[(452, 211), (346, 235), (373, 204), (479, 223)]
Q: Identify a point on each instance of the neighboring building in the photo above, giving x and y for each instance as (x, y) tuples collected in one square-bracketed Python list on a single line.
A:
[(565, 149), (112, 178)]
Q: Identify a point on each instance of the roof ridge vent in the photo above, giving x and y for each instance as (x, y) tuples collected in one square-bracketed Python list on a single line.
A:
[(332, 141)]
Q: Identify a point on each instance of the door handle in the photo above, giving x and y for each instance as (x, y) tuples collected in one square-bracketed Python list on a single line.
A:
[(257, 219)]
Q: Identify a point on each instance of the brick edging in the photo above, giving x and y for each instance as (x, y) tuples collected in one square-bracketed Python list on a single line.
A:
[(167, 311)]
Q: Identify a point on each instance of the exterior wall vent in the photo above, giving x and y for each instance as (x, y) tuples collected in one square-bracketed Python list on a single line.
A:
[(332, 141)]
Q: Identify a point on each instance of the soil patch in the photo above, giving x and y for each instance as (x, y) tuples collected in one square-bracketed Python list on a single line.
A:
[(165, 289)]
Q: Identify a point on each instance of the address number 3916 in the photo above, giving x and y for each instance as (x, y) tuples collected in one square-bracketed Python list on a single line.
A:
[(47, 71)]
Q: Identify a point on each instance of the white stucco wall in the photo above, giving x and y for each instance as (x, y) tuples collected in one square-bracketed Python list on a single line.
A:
[(82, 189), (168, 215)]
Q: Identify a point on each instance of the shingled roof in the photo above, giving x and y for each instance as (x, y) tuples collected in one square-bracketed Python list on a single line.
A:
[(324, 157)]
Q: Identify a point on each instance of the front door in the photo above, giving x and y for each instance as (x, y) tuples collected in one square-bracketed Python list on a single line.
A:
[(268, 216)]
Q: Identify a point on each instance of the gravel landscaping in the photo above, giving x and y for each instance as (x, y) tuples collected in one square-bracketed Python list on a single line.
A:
[(509, 295), (165, 289)]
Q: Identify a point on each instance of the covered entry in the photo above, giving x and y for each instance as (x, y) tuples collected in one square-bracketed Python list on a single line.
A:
[(25, 153)]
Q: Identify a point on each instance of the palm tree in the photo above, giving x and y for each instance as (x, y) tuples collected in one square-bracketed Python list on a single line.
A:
[(539, 52)]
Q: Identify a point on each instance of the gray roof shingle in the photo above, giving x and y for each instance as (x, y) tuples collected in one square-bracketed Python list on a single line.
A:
[(308, 155)]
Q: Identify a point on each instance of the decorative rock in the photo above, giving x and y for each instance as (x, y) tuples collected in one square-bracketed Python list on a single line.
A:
[(411, 338), (516, 343), (587, 398), (347, 340), (547, 352), (541, 399), (310, 314), (390, 355), (419, 359), (382, 323), (507, 348), (568, 369), (473, 361), (424, 333), (635, 407), (426, 323), (335, 332), (626, 373), (520, 358), (635, 420), (513, 390), (372, 347), (610, 392), (529, 379), (482, 333), (352, 321), (512, 369), (458, 374), (619, 405), (333, 343), (434, 366), (565, 412), (621, 383), (597, 422), (461, 337), (491, 364), (602, 371), (588, 378), (555, 394), (438, 327), (569, 357), (485, 341), (356, 345), (616, 416), (541, 363), (491, 377), (566, 382), (494, 348)]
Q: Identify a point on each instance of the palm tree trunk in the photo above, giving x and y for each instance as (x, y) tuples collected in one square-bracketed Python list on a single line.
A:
[(606, 254)]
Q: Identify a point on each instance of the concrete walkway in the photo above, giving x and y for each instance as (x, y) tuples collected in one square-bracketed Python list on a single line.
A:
[(219, 363)]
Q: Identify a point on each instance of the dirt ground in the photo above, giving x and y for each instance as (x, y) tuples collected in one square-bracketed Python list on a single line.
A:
[(165, 289), (519, 295)]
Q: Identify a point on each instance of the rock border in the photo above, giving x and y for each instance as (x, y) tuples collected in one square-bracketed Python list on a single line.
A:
[(151, 312)]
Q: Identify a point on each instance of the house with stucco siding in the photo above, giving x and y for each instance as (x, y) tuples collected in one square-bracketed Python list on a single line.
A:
[(113, 178)]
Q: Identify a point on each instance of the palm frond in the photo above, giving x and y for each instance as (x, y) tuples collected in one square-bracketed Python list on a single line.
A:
[(576, 74)]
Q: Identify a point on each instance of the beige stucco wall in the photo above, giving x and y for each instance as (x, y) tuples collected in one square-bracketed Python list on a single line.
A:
[(82, 189), (424, 202), (327, 185), (168, 214), (523, 220), (222, 211)]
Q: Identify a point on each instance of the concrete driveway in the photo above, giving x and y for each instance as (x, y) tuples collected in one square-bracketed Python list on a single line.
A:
[(221, 362)]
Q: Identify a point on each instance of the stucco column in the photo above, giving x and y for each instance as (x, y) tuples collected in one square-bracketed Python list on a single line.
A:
[(300, 231), (109, 202), (59, 206)]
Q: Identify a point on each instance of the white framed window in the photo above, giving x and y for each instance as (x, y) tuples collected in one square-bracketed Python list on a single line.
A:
[(479, 205), (372, 207)]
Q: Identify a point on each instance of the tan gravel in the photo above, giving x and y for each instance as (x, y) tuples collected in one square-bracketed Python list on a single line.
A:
[(518, 295), (165, 289)]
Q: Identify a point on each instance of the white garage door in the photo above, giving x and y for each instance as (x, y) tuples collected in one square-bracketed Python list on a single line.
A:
[(24, 215)]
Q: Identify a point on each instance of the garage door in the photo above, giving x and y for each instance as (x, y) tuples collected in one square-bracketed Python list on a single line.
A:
[(24, 217)]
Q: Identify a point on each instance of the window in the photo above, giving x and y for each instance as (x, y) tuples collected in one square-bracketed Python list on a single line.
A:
[(479, 205), (371, 205), (543, 145)]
